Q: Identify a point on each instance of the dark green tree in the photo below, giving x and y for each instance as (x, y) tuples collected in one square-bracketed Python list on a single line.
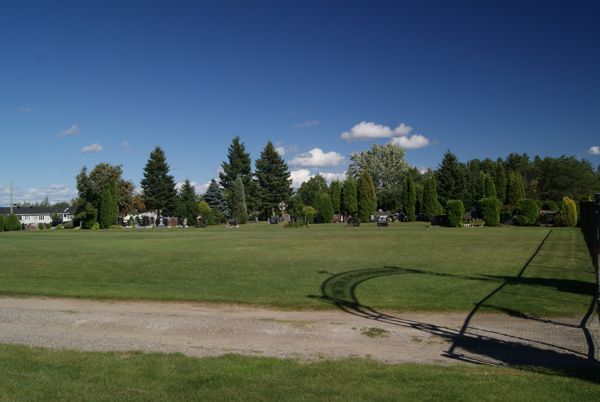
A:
[(188, 207), (274, 180), (309, 190), (349, 196), (335, 189), (367, 198), (109, 212), (450, 178), (500, 180), (411, 199), (215, 199), (489, 188), (514, 188), (565, 176), (431, 204), (12, 223), (239, 164), (158, 185), (1, 223), (238, 198), (324, 208), (455, 211)]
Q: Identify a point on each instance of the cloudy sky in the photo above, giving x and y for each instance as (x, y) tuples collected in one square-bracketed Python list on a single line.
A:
[(87, 82)]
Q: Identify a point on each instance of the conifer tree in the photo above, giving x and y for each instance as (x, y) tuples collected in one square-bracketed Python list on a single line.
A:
[(188, 207), (367, 199), (324, 208), (158, 185), (500, 180), (450, 178), (411, 199), (108, 206), (335, 189), (215, 199), (273, 177), (239, 164), (431, 204), (349, 196), (489, 188), (515, 189), (238, 199)]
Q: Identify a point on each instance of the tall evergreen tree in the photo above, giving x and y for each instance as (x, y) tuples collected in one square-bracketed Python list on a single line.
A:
[(239, 164), (489, 188), (215, 199), (431, 204), (411, 199), (324, 208), (367, 199), (273, 177), (500, 180), (310, 189), (188, 207), (158, 185), (515, 189), (450, 179), (349, 196), (108, 206), (335, 189), (238, 198)]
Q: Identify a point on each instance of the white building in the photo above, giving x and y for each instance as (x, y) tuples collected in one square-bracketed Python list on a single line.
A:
[(33, 215)]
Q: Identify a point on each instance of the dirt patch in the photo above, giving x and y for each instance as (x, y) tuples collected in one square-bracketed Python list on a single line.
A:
[(210, 330)]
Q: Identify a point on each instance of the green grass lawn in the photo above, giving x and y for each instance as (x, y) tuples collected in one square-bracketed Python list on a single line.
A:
[(438, 268), (46, 375)]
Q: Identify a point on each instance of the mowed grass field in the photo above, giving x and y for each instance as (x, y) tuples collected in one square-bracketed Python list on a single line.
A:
[(438, 268), (48, 375)]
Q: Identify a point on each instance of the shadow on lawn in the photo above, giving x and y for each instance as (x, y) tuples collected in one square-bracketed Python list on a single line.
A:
[(492, 347)]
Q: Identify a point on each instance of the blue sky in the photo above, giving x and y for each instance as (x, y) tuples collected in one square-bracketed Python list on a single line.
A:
[(85, 82)]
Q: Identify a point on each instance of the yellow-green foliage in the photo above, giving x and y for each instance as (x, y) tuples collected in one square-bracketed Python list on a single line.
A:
[(568, 212)]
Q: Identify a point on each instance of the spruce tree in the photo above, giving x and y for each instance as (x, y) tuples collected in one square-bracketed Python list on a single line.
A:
[(215, 199), (273, 177), (411, 199), (108, 207), (367, 199), (515, 189), (324, 208), (238, 199), (349, 197), (239, 164), (188, 207), (335, 189), (431, 204), (160, 194), (450, 178), (500, 180)]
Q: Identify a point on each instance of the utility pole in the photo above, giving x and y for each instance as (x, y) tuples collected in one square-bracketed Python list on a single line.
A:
[(11, 198)]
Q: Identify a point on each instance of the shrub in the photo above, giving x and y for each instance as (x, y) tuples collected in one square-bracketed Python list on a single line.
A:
[(549, 205), (12, 223), (41, 226), (95, 226), (68, 225), (527, 212), (489, 209), (1, 223), (295, 224), (309, 214), (324, 208), (506, 213), (568, 212), (455, 210)]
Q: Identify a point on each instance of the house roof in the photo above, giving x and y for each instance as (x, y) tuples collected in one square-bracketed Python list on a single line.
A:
[(26, 210)]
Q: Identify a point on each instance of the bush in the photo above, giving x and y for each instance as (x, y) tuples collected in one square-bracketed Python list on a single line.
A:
[(324, 208), (12, 223), (549, 205), (41, 226), (527, 212), (95, 226), (506, 213), (295, 224), (568, 212), (1, 223), (309, 214), (489, 209), (455, 210), (68, 225)]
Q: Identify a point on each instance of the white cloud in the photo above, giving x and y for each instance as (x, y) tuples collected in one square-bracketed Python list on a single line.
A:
[(595, 150), (280, 150), (283, 150), (317, 158), (303, 175), (411, 142), (92, 148), (69, 132), (307, 123), (367, 130), (54, 192), (23, 109)]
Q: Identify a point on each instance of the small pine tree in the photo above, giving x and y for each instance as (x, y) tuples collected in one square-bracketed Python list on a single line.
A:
[(158, 185), (411, 199), (568, 212), (349, 196), (367, 200), (238, 199), (335, 189), (188, 207), (324, 208), (215, 199), (455, 210), (109, 209), (431, 204), (274, 180)]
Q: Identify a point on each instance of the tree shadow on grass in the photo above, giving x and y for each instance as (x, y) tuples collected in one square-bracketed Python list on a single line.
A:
[(477, 345)]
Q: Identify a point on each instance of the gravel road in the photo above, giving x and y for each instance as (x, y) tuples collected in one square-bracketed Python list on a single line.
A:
[(212, 329)]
